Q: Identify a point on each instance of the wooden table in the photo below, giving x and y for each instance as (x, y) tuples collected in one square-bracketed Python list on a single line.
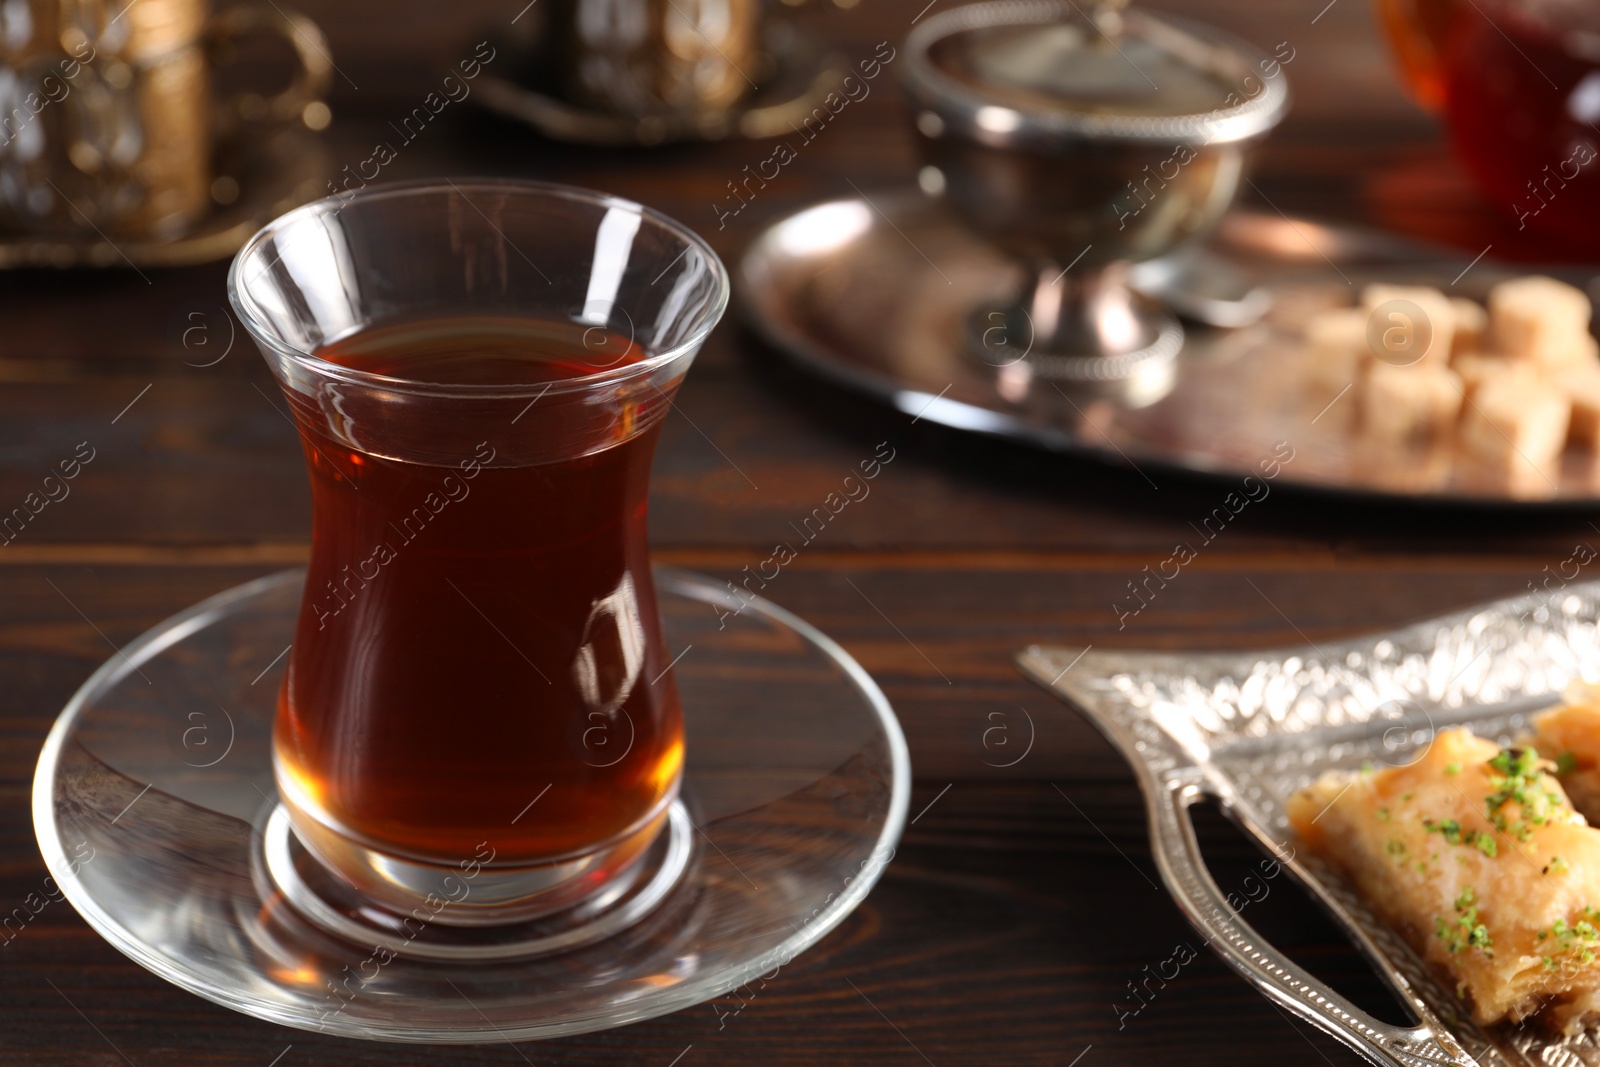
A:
[(1023, 902)]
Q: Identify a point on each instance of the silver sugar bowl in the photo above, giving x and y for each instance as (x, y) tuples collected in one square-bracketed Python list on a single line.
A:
[(1082, 143)]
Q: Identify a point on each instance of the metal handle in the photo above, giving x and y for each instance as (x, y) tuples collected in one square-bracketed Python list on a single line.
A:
[(311, 82), (1177, 855)]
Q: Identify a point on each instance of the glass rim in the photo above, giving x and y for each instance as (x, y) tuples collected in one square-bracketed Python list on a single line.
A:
[(247, 310)]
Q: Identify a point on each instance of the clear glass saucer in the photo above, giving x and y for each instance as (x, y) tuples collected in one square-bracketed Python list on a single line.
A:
[(153, 803)]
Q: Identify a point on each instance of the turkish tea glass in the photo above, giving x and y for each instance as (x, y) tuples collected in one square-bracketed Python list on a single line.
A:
[(1418, 31), (478, 708), (1522, 102)]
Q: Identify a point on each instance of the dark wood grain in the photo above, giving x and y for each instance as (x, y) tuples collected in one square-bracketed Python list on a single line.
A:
[(937, 635), (1024, 900)]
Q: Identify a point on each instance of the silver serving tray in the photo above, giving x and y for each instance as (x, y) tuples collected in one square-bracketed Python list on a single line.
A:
[(875, 292), (1251, 728)]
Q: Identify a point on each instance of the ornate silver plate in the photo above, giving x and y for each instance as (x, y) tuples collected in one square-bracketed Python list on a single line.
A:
[(879, 293), (1251, 728)]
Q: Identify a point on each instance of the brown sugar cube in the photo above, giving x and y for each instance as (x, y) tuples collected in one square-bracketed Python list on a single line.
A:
[(1585, 350), (1407, 403), (1582, 386), (1566, 351), (1515, 419), (1337, 340), (1418, 466), (1400, 328), (1541, 320), (1471, 326), (1506, 476), (1474, 368)]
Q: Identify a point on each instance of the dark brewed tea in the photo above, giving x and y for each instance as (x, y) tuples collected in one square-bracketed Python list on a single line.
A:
[(478, 657), (1417, 31), (1523, 99)]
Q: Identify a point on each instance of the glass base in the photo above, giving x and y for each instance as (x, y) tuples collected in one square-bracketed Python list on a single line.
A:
[(492, 896), (332, 904), (155, 810)]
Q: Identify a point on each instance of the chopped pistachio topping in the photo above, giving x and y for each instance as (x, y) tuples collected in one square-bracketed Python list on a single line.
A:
[(1464, 930), (1576, 941), (1452, 832), (1515, 774)]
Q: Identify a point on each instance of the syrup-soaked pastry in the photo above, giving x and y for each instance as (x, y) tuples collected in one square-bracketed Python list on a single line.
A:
[(1474, 853)]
